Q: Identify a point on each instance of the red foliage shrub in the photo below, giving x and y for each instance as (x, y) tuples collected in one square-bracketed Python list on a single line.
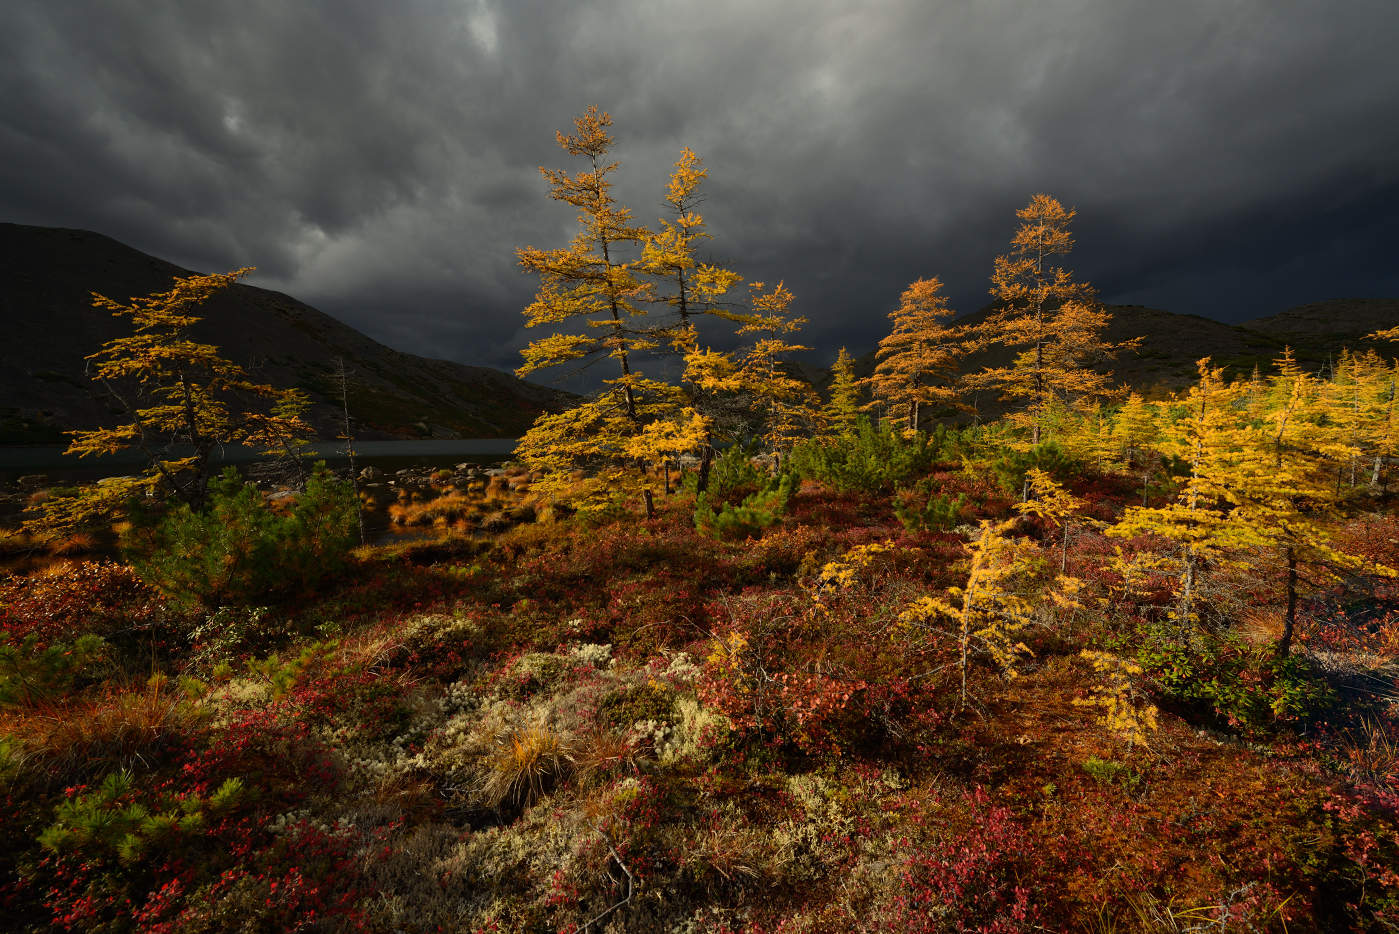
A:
[(972, 872), (73, 599)]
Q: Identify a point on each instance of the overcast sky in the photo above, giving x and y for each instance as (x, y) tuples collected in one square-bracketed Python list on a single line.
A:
[(379, 160)]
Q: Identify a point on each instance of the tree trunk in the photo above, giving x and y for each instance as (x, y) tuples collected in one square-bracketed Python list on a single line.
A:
[(650, 504), (706, 462), (1284, 645), (343, 378), (1187, 589)]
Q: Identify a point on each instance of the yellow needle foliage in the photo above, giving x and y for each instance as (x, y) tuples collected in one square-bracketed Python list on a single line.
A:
[(1123, 707), (1051, 322), (788, 405), (997, 602), (593, 289), (1052, 503), (588, 283), (669, 255), (1359, 400), (181, 401), (1200, 521), (915, 365)]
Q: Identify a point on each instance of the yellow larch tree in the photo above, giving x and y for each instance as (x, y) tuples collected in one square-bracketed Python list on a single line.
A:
[(1360, 400), (181, 400), (915, 365), (1200, 522), (1049, 320), (1287, 484), (1135, 429), (592, 289), (692, 290), (997, 602), (1049, 501), (787, 405), (691, 287)]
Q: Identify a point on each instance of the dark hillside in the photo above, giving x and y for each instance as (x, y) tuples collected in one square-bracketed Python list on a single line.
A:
[(49, 325)]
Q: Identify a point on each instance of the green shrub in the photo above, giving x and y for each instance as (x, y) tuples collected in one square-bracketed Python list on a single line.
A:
[(238, 550), (230, 632), (749, 517), (1223, 678), (922, 510), (874, 458), (1107, 772), (1010, 468), (109, 821), (731, 472), (30, 671)]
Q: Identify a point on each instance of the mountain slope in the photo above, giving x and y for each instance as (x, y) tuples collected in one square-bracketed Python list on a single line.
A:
[(48, 325), (1173, 343)]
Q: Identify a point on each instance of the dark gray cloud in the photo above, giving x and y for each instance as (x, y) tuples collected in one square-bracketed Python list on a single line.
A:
[(379, 160)]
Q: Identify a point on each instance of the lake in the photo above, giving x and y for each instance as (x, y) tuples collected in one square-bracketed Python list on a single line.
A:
[(18, 460)]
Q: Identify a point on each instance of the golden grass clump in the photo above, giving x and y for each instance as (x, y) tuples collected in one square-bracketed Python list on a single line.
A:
[(91, 734), (527, 759)]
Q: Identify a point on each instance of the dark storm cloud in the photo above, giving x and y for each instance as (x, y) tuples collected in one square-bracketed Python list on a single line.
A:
[(379, 160)]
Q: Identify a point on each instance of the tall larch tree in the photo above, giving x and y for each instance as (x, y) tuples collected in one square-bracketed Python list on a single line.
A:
[(1360, 400), (693, 290), (1201, 522), (916, 364), (1048, 319), (787, 405), (690, 287), (1287, 486), (594, 288), (181, 401)]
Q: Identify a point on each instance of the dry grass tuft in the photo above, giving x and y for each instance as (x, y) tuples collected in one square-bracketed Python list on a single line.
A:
[(1261, 625), (1372, 751), (526, 761), (89, 735), (603, 754)]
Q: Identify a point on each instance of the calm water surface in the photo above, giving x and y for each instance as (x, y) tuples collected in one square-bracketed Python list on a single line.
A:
[(18, 460)]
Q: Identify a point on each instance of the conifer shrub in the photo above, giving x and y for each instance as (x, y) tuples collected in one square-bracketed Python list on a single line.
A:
[(731, 472), (922, 510), (876, 457), (31, 671), (108, 820), (1012, 466), (748, 518), (238, 550)]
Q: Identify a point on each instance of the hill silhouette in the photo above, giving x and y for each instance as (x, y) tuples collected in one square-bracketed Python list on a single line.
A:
[(47, 273)]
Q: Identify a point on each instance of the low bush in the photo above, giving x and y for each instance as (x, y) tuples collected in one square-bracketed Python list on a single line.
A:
[(922, 510), (749, 517), (1222, 677), (1012, 466), (30, 671), (238, 550), (874, 458), (731, 472)]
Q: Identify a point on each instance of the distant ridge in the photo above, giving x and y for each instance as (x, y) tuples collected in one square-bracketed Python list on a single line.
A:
[(1173, 343), (48, 325)]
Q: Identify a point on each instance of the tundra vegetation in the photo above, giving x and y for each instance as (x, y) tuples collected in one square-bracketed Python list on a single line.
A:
[(721, 655)]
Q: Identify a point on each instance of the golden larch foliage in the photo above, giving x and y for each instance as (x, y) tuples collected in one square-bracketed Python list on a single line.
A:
[(915, 365), (1051, 322)]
